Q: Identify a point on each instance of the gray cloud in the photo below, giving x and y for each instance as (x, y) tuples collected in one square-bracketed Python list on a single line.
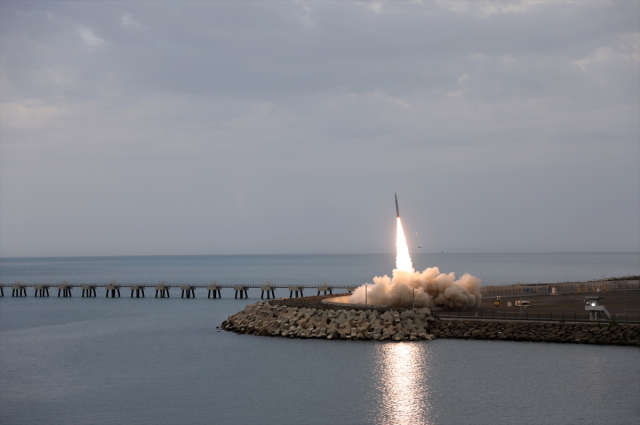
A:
[(249, 127)]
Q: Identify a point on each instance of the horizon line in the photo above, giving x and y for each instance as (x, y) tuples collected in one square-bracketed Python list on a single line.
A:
[(306, 254)]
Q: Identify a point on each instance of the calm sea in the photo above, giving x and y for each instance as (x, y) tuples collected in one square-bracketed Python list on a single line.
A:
[(493, 269), (162, 361)]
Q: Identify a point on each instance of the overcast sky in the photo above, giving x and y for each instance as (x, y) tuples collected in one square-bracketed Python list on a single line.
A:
[(135, 128)]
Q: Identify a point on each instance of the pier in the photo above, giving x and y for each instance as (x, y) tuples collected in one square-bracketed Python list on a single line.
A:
[(65, 288), (42, 289), (163, 289), (113, 287), (326, 288), (268, 289), (296, 289), (90, 290), (241, 291), (214, 289), (138, 289), (18, 290), (189, 290)]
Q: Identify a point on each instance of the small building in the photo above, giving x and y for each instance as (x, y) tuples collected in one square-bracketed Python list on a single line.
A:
[(595, 309)]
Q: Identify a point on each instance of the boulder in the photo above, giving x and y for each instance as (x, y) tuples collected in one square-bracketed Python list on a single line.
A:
[(399, 336)]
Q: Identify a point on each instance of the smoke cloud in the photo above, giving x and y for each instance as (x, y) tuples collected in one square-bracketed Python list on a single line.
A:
[(408, 287), (432, 288)]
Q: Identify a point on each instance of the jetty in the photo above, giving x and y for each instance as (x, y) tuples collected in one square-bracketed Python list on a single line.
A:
[(19, 289), (214, 289), (318, 318)]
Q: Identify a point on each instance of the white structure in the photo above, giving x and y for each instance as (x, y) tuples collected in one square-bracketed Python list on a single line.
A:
[(269, 289), (326, 288), (295, 289), (215, 289), (594, 308)]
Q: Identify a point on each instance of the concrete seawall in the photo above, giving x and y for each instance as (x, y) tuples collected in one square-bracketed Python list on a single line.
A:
[(277, 318)]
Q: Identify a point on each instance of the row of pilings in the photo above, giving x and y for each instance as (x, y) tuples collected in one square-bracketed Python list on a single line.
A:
[(162, 290)]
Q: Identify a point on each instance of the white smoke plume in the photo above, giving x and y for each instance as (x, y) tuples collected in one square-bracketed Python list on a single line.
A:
[(432, 288), (408, 287)]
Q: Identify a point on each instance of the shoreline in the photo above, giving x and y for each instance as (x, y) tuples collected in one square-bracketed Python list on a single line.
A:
[(308, 317)]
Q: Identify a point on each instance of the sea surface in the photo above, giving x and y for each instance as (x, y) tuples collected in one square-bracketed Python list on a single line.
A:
[(493, 269), (163, 361)]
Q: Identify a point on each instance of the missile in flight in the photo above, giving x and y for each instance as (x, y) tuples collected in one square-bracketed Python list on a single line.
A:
[(397, 210)]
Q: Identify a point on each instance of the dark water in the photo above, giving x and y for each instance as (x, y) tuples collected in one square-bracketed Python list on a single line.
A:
[(162, 361)]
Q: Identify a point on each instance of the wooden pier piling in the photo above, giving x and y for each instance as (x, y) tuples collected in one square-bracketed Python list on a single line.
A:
[(269, 289), (190, 291), (164, 290), (215, 289), (90, 291), (139, 289), (295, 289), (243, 290), (113, 287), (18, 290), (65, 288), (326, 288), (42, 290)]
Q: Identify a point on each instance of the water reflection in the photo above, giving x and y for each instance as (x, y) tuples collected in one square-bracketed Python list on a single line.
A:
[(402, 372)]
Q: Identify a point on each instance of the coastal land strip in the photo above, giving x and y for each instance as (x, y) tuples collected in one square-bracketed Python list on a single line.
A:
[(309, 317)]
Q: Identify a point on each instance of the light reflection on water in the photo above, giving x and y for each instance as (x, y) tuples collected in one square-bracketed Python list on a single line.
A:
[(403, 386), (76, 361)]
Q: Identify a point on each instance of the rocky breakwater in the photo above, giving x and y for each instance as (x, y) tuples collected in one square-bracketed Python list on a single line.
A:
[(581, 333), (331, 322)]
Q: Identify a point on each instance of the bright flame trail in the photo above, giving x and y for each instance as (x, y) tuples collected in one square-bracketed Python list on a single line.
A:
[(403, 259), (408, 287)]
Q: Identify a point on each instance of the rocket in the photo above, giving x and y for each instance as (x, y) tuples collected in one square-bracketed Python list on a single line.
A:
[(397, 210)]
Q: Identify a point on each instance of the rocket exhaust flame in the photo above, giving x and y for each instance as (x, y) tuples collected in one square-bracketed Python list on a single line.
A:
[(426, 289), (403, 259)]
